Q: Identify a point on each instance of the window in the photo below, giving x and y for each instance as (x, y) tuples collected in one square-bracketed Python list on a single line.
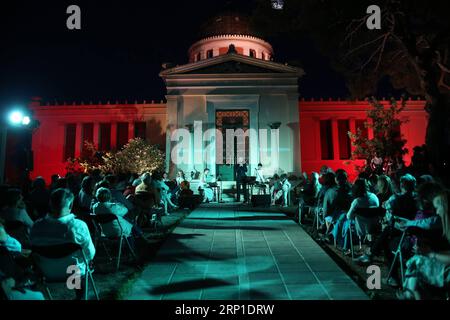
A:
[(105, 137), (140, 129), (209, 54), (198, 57), (326, 140), (252, 53), (223, 51), (69, 143), (88, 134), (122, 134), (344, 139)]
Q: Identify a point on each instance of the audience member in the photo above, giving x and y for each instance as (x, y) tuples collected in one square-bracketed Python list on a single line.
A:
[(429, 268), (59, 227), (105, 205), (39, 198)]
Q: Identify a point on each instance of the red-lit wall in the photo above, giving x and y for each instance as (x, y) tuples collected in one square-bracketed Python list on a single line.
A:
[(312, 112), (48, 140)]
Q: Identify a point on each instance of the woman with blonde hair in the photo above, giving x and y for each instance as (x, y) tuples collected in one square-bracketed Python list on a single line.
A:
[(429, 267)]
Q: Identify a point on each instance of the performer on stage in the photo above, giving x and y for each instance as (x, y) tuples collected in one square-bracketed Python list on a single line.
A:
[(280, 190), (205, 181), (241, 183), (286, 188), (275, 189), (260, 180)]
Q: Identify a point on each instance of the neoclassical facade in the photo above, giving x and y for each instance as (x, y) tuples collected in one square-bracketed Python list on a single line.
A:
[(231, 82)]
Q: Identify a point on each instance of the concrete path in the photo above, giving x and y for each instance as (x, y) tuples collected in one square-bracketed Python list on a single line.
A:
[(221, 253)]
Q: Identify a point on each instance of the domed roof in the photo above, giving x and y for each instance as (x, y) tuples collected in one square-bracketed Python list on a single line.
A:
[(228, 24)]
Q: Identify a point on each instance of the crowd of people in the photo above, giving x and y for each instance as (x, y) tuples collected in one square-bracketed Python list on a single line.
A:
[(385, 212), (62, 212), (409, 215)]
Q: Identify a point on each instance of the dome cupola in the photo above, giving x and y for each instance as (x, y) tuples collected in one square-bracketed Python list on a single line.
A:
[(227, 29)]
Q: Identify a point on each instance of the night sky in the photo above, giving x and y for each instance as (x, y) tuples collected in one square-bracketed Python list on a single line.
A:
[(120, 49)]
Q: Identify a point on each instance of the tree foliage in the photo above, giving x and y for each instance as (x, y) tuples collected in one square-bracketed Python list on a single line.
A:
[(412, 50), (387, 142), (137, 156)]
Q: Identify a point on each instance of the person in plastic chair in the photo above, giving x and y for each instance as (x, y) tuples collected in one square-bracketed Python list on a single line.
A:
[(430, 267), (337, 200), (362, 198), (399, 206), (59, 227), (121, 225)]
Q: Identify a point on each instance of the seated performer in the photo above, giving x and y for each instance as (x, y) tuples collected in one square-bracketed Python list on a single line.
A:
[(275, 189), (205, 186), (260, 180)]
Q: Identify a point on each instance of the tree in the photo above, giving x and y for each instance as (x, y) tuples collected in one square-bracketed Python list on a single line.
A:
[(387, 142), (137, 157), (411, 49)]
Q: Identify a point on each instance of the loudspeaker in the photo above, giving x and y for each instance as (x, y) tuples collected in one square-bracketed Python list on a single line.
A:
[(262, 200)]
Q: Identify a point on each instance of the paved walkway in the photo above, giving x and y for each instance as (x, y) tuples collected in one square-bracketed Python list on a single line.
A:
[(221, 253)]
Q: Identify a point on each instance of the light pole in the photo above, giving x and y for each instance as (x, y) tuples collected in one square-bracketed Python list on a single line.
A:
[(19, 118)]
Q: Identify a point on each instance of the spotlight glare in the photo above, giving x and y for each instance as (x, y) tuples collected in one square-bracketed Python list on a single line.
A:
[(16, 117), (26, 120)]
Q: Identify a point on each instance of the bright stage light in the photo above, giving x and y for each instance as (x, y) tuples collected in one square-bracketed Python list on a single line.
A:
[(26, 120), (16, 117)]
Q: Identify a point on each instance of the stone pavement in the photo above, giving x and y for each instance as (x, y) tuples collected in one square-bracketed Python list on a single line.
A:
[(221, 253)]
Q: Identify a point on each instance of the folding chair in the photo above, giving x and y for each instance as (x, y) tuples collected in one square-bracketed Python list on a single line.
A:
[(102, 219), (317, 217), (156, 220), (62, 251), (398, 252), (398, 256), (372, 213), (350, 230)]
